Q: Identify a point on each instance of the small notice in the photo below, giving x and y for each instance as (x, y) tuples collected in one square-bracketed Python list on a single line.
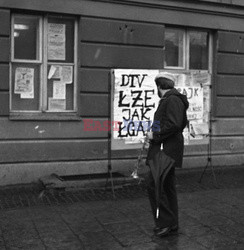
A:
[(200, 128), (56, 104), (59, 90), (27, 95), (64, 73), (67, 74), (56, 41), (54, 72), (24, 82)]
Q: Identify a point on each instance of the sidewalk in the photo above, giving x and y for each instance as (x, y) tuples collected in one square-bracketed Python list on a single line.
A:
[(210, 218)]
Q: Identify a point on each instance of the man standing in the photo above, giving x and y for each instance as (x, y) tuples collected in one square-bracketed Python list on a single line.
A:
[(171, 117)]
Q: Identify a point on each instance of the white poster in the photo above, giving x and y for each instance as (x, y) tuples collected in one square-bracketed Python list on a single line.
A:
[(195, 85), (134, 103), (24, 82), (135, 100), (195, 98), (59, 90), (56, 41), (27, 95)]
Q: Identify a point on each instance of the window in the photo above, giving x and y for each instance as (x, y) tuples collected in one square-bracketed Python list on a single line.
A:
[(43, 64), (174, 48), (187, 49)]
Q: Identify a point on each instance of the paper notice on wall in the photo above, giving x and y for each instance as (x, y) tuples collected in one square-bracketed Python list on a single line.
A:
[(67, 74), (56, 104), (59, 90), (56, 41), (202, 79), (195, 97), (64, 73), (55, 72), (24, 81), (200, 128), (27, 95), (134, 102), (196, 86)]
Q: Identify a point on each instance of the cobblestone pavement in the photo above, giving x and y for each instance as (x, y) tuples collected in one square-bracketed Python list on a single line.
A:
[(210, 218)]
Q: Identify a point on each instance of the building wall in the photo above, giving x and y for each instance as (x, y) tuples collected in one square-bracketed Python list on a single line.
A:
[(113, 35)]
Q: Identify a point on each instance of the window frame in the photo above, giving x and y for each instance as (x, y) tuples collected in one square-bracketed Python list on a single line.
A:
[(42, 62), (39, 44), (186, 50)]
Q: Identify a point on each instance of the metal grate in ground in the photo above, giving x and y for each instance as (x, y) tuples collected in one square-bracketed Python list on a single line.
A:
[(28, 196)]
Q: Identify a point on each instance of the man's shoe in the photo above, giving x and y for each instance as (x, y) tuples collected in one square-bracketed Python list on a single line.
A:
[(173, 228), (163, 232)]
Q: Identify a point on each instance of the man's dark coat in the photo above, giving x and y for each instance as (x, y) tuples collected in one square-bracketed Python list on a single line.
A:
[(171, 116)]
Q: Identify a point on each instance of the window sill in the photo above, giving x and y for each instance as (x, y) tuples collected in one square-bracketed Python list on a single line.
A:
[(18, 116)]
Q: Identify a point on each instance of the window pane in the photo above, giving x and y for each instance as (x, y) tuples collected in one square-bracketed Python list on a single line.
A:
[(198, 50), (25, 86), (174, 41), (60, 40), (26, 37)]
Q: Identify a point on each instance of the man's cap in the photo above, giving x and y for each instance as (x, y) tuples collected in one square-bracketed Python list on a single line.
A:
[(165, 80), (165, 75)]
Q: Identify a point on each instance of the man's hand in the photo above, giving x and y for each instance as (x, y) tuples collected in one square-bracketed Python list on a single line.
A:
[(150, 135)]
